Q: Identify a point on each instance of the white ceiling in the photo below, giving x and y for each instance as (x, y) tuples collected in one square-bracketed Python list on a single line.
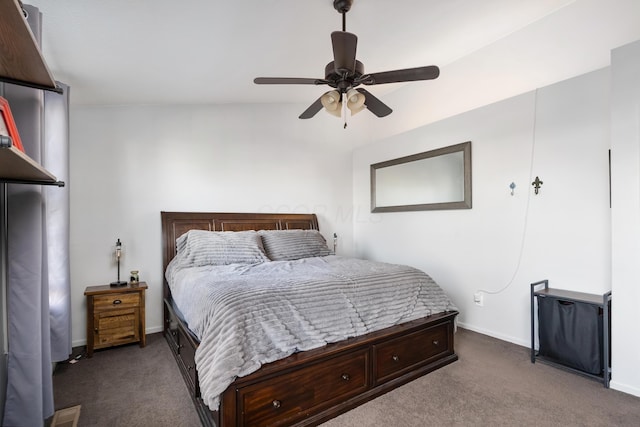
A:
[(206, 51)]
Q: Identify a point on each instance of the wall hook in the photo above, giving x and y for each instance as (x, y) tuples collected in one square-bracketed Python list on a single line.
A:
[(512, 186), (537, 184)]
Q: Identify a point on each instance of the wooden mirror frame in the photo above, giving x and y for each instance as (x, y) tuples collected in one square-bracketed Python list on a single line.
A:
[(464, 203)]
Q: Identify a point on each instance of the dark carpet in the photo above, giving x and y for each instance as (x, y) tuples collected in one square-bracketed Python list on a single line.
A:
[(493, 384), (126, 386)]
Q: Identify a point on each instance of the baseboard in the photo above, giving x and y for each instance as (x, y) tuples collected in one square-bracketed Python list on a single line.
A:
[(492, 334), (624, 388), (154, 329)]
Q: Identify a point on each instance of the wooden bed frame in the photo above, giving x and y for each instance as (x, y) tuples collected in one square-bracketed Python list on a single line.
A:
[(311, 387)]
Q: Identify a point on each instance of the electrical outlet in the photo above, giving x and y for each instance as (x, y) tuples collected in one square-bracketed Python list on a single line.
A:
[(477, 298)]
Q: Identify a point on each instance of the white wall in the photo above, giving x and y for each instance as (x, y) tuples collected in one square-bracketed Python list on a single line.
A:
[(420, 103), (566, 227), (130, 163), (625, 176)]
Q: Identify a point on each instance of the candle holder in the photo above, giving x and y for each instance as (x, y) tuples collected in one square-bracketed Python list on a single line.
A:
[(135, 277)]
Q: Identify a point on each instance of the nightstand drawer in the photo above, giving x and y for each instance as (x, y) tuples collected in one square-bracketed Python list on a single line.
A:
[(116, 319), (116, 301)]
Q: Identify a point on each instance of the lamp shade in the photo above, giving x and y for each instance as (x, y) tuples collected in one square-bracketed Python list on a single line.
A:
[(355, 101), (331, 102)]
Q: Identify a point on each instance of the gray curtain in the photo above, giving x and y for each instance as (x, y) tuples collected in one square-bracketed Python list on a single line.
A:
[(38, 297), (56, 160)]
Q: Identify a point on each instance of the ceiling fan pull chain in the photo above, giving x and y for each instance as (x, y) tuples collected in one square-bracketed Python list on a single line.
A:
[(344, 109)]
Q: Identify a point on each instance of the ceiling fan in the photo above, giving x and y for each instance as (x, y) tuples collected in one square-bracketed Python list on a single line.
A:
[(344, 74)]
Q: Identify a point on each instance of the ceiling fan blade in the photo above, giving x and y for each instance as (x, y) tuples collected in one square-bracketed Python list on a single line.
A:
[(344, 51), (287, 81), (312, 110), (374, 105), (405, 75)]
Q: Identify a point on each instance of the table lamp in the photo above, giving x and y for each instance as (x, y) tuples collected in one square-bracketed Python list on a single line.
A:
[(118, 256)]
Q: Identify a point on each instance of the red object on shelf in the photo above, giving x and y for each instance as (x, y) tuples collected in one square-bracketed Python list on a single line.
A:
[(9, 125)]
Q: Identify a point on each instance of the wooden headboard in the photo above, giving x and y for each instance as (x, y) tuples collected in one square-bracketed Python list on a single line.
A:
[(174, 224)]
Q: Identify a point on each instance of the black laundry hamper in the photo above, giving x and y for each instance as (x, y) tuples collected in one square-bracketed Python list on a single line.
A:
[(571, 333)]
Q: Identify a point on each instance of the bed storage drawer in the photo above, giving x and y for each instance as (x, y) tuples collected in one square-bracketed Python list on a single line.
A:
[(397, 356), (285, 399), (186, 353)]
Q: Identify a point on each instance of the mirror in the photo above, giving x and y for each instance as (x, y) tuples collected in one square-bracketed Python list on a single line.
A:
[(433, 180)]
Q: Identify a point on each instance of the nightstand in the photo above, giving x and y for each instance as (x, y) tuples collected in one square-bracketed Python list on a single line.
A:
[(115, 316)]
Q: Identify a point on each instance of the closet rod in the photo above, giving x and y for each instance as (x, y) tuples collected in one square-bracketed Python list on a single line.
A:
[(33, 85), (27, 181)]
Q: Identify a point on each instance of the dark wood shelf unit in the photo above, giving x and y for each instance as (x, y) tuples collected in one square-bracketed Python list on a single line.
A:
[(21, 63), (17, 167), (602, 301)]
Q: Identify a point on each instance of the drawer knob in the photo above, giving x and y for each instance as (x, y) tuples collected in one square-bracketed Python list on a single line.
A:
[(276, 404), (436, 342), (395, 358), (117, 301), (346, 377)]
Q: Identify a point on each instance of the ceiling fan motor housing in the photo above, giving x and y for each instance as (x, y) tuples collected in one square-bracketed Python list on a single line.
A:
[(342, 6), (342, 82)]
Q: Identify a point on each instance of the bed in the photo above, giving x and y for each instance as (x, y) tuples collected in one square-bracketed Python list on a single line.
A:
[(298, 387)]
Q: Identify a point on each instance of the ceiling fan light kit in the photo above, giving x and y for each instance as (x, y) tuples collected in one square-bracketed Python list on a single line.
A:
[(332, 103), (345, 73), (355, 101)]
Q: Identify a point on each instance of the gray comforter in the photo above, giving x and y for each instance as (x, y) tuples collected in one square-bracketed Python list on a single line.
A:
[(249, 315)]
